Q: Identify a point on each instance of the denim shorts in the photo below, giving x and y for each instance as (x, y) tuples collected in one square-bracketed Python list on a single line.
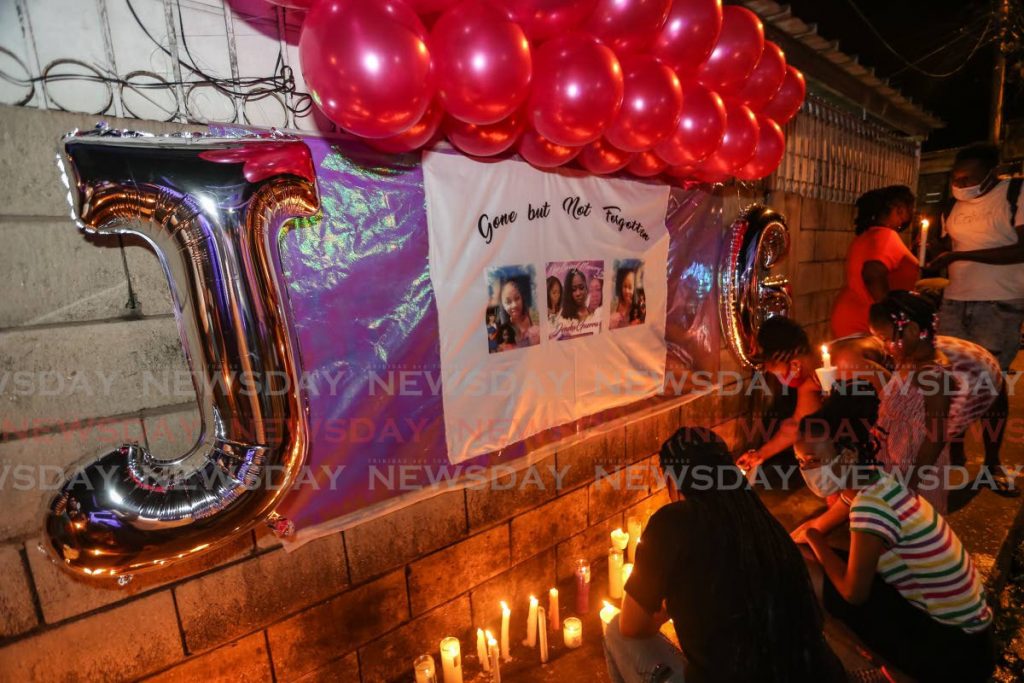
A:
[(993, 325)]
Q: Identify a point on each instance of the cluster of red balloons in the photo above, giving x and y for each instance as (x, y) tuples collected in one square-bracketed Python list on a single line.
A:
[(685, 87)]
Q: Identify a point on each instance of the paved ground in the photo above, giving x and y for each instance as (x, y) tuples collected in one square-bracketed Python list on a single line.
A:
[(983, 520)]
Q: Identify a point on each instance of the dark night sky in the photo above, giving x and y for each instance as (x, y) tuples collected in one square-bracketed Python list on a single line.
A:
[(915, 28)]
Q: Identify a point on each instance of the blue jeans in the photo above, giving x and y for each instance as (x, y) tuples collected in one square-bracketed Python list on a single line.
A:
[(992, 325), (636, 660)]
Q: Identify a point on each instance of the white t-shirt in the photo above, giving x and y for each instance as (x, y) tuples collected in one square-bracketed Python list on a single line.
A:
[(984, 223)]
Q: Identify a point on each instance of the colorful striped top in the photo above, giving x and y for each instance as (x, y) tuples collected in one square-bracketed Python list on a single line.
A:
[(924, 560)]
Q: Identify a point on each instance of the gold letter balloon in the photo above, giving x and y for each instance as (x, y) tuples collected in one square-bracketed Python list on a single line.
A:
[(212, 209)]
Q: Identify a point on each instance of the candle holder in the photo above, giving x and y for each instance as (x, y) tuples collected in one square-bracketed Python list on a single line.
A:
[(582, 586), (572, 633), (614, 573), (423, 666)]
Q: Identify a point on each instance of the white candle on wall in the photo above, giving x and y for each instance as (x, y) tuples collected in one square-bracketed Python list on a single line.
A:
[(492, 648), (481, 650), (620, 539), (531, 624), (608, 613), (572, 633), (451, 660), (633, 528), (553, 608), (506, 615), (542, 634), (423, 666), (924, 242), (614, 573)]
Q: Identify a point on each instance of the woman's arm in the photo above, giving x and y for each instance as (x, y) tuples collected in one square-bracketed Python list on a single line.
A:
[(808, 400), (876, 279), (852, 579), (636, 622), (825, 522)]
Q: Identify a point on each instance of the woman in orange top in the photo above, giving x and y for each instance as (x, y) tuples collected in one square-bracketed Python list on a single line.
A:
[(877, 260)]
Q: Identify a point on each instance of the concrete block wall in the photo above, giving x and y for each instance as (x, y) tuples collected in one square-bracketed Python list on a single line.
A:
[(85, 319)]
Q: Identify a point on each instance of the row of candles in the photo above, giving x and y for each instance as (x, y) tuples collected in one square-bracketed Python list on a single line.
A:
[(491, 651)]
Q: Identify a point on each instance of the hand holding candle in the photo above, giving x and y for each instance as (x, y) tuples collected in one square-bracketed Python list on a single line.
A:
[(923, 246), (572, 633), (827, 372)]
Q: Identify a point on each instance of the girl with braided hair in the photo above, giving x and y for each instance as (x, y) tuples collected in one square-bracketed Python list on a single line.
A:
[(907, 587), (940, 385), (727, 573)]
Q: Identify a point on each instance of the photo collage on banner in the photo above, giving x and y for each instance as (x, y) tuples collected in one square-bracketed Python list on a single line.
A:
[(575, 293), (512, 317)]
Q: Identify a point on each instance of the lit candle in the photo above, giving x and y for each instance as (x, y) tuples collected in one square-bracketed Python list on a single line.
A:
[(620, 539), (506, 614), (542, 634), (633, 528), (826, 359), (608, 613), (572, 633), (553, 608), (481, 650), (924, 242), (424, 668), (492, 648), (627, 569), (582, 586), (614, 573), (451, 660), (531, 624)]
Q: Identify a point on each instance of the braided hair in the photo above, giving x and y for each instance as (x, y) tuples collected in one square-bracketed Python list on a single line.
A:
[(846, 418), (778, 637), (900, 307)]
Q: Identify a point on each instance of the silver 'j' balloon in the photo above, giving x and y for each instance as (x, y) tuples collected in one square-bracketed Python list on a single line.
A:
[(211, 208), (749, 293)]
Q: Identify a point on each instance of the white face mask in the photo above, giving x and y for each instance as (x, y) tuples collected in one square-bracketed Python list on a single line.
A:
[(821, 481), (966, 194)]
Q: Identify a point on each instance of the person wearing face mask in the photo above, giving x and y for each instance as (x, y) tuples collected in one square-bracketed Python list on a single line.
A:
[(744, 610), (877, 259), (984, 301), (906, 588), (940, 386)]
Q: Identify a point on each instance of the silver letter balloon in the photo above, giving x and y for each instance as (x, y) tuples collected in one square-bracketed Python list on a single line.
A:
[(212, 209)]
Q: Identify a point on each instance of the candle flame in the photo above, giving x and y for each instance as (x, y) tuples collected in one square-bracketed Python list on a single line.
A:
[(608, 605), (925, 223), (824, 348), (504, 606), (533, 600), (490, 636), (553, 591)]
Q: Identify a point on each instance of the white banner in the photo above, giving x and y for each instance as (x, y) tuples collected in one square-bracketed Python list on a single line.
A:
[(551, 294)]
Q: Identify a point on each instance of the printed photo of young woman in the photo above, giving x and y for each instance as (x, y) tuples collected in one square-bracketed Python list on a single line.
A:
[(575, 293), (511, 317), (629, 303)]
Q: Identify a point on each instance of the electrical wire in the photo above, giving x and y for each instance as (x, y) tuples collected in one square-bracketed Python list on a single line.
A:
[(912, 65), (959, 34)]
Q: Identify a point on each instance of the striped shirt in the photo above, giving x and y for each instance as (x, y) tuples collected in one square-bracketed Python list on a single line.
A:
[(924, 560)]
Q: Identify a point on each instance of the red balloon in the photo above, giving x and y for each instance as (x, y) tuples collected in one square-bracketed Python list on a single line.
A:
[(706, 175), (544, 19), (689, 34), (577, 89), (646, 164), (682, 171), (739, 46), (485, 141), (293, 4), (429, 6), (700, 129), (543, 153), (787, 101), (771, 145), (628, 25), (481, 61), (738, 144), (766, 78), (367, 65), (651, 104), (601, 157), (415, 137)]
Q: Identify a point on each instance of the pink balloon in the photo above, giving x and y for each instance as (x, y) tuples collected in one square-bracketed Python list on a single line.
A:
[(646, 164), (689, 34), (367, 65), (739, 46), (787, 101), (487, 140), (766, 79), (481, 61), (543, 153), (651, 105), (771, 145), (628, 25), (577, 89), (601, 157), (544, 19), (738, 144), (429, 6), (415, 137), (700, 128)]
